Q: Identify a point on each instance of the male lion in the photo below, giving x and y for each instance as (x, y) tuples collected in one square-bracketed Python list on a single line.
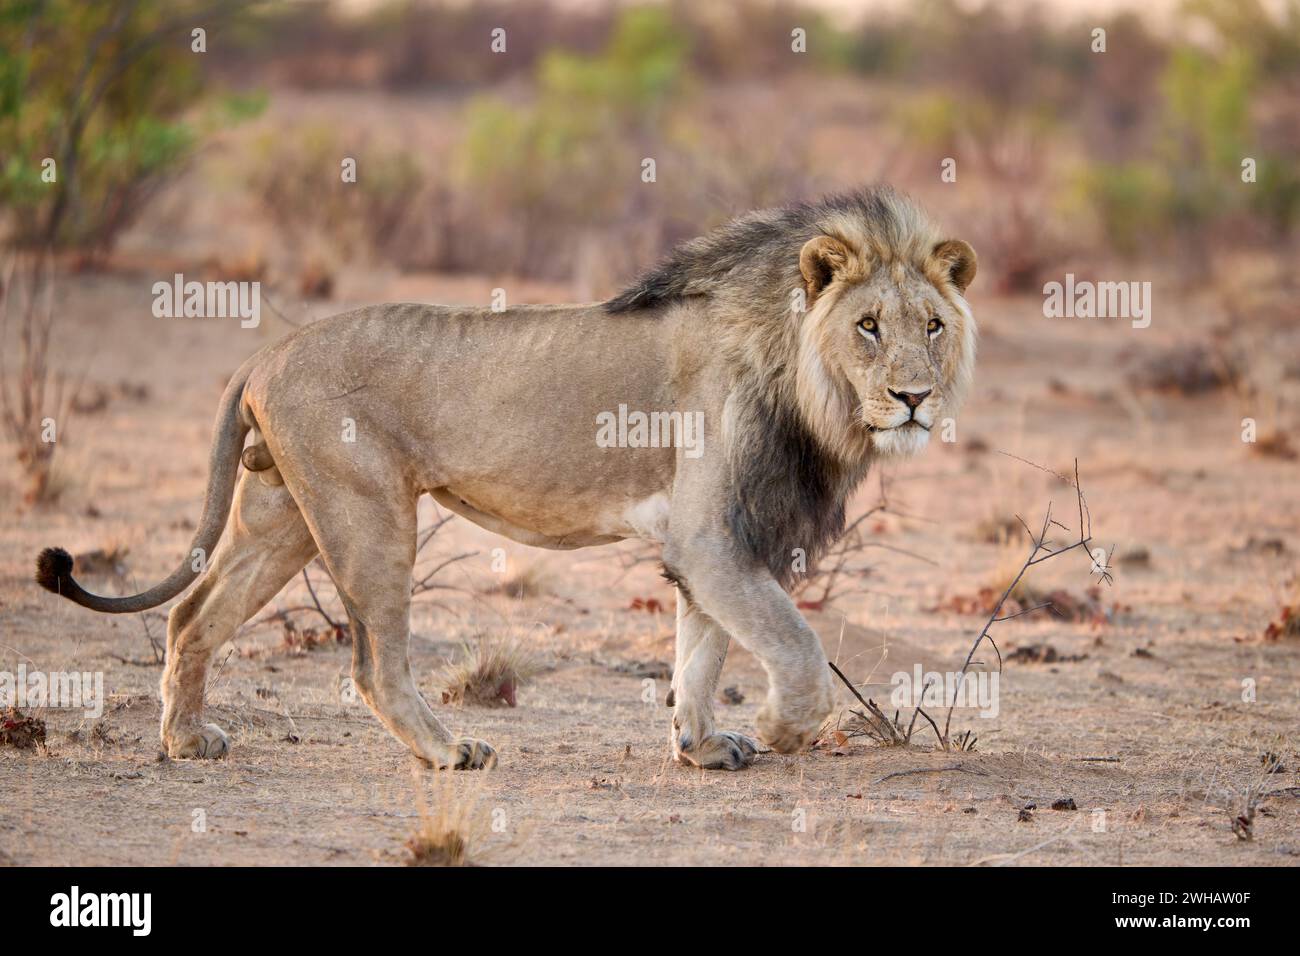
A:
[(812, 338)]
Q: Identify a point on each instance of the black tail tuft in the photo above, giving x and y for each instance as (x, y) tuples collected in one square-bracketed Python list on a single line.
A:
[(54, 570)]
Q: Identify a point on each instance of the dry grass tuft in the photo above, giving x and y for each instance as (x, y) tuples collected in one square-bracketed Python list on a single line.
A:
[(1252, 797), (997, 530), (873, 723), (1275, 444), (490, 672), (1187, 369), (435, 845), (297, 641), (532, 581), (449, 833), (1287, 625), (21, 731)]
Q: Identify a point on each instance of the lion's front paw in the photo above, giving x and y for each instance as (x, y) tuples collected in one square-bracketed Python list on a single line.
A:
[(466, 753), (208, 742), (785, 736), (788, 722), (724, 750)]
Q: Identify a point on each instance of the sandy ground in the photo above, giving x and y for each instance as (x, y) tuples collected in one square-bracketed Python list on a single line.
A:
[(584, 776)]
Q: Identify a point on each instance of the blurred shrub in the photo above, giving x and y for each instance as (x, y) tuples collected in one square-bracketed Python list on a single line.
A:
[(1271, 39), (404, 44), (1275, 197), (1203, 134), (1156, 128), (1007, 147), (527, 184), (1117, 116), (589, 113), (1188, 187), (295, 174), (412, 44), (537, 182), (1129, 199), (1144, 142), (572, 157), (1014, 61), (745, 39), (98, 88)]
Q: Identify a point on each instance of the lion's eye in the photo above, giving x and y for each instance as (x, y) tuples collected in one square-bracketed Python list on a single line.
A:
[(933, 327), (869, 326)]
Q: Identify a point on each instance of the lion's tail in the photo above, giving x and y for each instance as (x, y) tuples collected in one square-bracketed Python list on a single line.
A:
[(54, 565)]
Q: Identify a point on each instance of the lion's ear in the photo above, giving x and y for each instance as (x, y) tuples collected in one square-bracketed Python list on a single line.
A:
[(956, 260), (819, 260)]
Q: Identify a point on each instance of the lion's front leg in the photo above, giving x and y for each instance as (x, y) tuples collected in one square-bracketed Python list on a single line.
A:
[(701, 651), (746, 602)]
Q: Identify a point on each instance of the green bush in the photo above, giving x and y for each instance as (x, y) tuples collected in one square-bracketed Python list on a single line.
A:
[(100, 89), (1191, 179), (1130, 201), (296, 175), (556, 159)]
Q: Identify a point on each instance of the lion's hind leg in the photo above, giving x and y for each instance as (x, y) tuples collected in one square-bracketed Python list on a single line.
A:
[(367, 540), (267, 543), (701, 652)]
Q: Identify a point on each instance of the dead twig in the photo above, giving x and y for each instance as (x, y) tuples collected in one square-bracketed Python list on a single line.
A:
[(959, 768), (821, 586), (878, 725), (316, 601), (1038, 553)]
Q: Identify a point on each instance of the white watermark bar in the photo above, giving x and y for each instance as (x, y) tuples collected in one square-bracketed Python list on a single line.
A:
[(63, 690)]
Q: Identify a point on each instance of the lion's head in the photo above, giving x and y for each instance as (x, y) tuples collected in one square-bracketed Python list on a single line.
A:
[(887, 344)]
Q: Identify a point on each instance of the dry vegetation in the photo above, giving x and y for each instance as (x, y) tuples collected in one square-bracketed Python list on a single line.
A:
[(1016, 599), (35, 403), (489, 671), (450, 832)]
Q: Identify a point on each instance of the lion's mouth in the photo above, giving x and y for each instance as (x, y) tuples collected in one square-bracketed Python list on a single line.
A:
[(900, 426)]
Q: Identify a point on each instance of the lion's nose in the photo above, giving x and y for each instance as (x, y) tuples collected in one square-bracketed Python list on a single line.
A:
[(912, 400)]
